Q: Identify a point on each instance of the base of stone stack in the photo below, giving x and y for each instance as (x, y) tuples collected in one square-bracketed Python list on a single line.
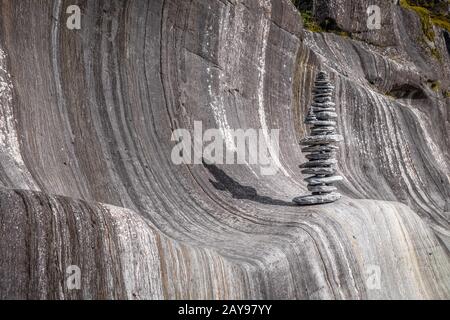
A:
[(317, 199)]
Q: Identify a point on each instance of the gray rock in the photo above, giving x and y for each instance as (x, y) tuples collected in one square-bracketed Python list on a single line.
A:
[(323, 123), (318, 109), (323, 89), (320, 170), (322, 139), (317, 199), (326, 115), (321, 156), (324, 104), (323, 180), (327, 132), (311, 117), (318, 163), (322, 99), (88, 114), (321, 94), (319, 148), (323, 130), (321, 189)]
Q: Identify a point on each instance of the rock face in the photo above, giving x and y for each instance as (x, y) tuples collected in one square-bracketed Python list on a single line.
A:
[(322, 162), (86, 119)]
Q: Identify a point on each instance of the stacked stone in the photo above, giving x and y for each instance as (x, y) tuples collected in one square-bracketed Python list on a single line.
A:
[(321, 146)]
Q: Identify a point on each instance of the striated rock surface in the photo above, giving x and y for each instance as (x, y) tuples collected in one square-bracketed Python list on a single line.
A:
[(86, 176)]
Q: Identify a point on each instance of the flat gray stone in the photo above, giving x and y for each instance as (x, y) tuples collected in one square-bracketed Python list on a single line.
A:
[(318, 163), (323, 130), (323, 91), (322, 85), (323, 94), (322, 189), (325, 180), (310, 119), (320, 170), (319, 109), (321, 139), (324, 123), (321, 156), (322, 99), (315, 134), (319, 148), (317, 199), (323, 104), (326, 115), (319, 95)]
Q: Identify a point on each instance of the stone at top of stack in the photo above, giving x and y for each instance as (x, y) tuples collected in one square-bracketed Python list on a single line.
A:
[(320, 145)]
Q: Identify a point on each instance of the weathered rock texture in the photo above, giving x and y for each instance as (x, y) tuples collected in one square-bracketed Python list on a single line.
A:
[(321, 146), (86, 176)]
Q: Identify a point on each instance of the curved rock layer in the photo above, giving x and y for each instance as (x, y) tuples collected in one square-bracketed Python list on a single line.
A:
[(86, 118)]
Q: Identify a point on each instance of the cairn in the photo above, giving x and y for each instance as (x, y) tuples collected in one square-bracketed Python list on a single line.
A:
[(320, 146)]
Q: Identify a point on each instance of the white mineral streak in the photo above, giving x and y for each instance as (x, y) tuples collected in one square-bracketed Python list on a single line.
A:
[(222, 74), (215, 94), (433, 147), (9, 143), (265, 27), (138, 254)]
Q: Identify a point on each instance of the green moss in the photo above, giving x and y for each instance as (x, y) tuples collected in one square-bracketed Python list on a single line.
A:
[(435, 53), (438, 7), (428, 19), (330, 25), (425, 19), (389, 95), (435, 85), (447, 93), (442, 22), (309, 22), (343, 34)]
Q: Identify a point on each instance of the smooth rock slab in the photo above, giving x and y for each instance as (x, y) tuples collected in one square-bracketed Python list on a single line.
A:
[(317, 199), (210, 257)]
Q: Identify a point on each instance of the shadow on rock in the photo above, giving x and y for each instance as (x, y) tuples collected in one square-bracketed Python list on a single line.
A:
[(225, 183)]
